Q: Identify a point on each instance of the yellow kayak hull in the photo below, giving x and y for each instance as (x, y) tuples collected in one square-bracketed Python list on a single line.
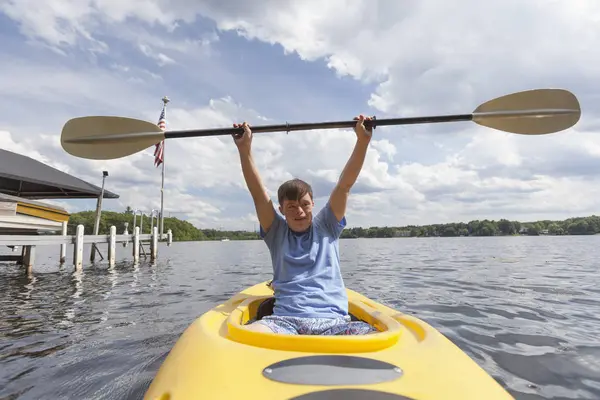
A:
[(217, 357)]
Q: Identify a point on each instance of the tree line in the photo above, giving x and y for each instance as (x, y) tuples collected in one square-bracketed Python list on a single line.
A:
[(185, 231), (182, 230), (503, 227)]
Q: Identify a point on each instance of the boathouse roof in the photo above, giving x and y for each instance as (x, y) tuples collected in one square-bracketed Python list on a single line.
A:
[(25, 177)]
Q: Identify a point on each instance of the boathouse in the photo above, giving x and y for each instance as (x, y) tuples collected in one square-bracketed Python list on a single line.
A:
[(24, 181), (26, 221)]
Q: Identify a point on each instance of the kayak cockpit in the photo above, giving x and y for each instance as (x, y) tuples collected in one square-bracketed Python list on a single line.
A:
[(256, 307), (266, 306)]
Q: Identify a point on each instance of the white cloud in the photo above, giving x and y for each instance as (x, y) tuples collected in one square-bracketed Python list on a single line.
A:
[(46, 21), (159, 57), (422, 58)]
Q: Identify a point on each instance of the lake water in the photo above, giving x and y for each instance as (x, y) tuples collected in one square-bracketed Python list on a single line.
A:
[(527, 309)]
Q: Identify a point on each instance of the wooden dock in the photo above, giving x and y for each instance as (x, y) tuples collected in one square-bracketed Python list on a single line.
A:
[(26, 222), (29, 243)]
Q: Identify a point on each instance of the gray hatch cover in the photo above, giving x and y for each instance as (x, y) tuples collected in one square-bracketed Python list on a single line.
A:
[(332, 370)]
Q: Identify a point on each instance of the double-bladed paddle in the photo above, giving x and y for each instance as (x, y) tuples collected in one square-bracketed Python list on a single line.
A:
[(530, 112)]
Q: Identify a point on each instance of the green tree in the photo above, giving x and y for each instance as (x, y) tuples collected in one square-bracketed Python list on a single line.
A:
[(506, 227), (555, 229), (580, 227), (449, 231)]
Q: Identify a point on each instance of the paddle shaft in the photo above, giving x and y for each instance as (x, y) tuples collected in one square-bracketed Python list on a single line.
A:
[(318, 125)]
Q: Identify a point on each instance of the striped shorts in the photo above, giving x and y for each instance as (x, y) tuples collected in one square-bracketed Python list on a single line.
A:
[(316, 326)]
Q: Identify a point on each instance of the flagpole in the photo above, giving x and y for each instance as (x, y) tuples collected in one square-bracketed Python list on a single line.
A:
[(162, 184)]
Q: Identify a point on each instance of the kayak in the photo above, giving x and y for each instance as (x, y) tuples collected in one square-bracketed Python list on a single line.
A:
[(217, 357)]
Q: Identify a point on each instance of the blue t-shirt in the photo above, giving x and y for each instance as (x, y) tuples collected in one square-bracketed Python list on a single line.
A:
[(306, 267)]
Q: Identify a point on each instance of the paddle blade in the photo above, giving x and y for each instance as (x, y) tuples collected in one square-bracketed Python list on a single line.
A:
[(531, 112), (106, 138)]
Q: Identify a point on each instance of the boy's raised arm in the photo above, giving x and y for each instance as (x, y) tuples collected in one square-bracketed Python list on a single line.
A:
[(340, 193), (263, 204)]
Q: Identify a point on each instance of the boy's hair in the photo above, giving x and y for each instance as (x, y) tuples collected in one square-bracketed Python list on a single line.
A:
[(293, 189)]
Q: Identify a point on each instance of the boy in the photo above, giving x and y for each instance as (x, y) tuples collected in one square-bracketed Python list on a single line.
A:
[(310, 296)]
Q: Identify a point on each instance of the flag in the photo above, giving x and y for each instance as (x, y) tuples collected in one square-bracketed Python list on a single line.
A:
[(160, 147)]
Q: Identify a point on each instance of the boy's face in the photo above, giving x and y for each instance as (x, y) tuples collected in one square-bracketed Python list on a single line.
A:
[(298, 214)]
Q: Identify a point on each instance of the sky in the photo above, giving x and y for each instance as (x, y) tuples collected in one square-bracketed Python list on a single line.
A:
[(311, 61)]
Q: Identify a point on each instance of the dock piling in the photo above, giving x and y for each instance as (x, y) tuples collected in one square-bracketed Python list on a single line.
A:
[(28, 258), (136, 245), (63, 246), (78, 248), (154, 243), (112, 245), (126, 232)]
